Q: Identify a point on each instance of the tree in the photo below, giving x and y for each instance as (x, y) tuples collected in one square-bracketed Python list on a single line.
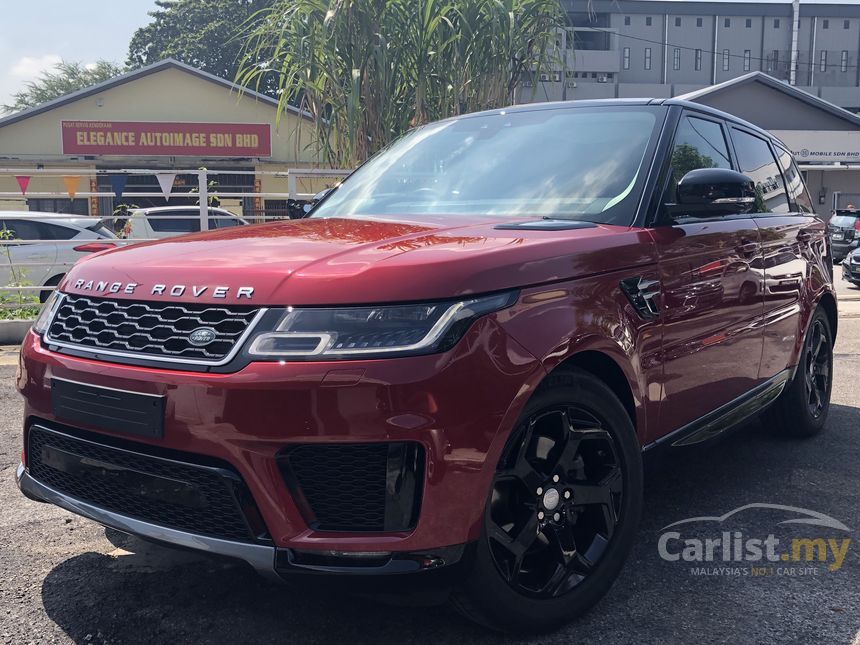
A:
[(206, 34), (368, 70), (62, 79)]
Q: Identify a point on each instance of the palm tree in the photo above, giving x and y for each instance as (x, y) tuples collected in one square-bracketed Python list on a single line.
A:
[(368, 70)]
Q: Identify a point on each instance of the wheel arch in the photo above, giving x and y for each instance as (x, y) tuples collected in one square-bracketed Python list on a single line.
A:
[(606, 368), (828, 304)]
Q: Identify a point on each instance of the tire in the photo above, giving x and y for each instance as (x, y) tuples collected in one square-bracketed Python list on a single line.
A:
[(543, 559), (800, 411), (50, 282)]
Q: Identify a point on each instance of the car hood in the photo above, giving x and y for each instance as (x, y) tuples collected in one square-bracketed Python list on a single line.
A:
[(352, 261)]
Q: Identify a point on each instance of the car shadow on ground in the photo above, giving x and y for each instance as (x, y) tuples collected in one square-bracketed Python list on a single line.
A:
[(144, 593)]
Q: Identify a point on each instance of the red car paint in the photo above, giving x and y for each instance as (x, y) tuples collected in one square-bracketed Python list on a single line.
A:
[(717, 337)]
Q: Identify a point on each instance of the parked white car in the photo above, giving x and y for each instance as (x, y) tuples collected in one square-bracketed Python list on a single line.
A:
[(39, 248), (170, 221)]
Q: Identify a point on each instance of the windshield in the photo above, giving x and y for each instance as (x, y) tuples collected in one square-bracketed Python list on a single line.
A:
[(843, 221), (576, 163)]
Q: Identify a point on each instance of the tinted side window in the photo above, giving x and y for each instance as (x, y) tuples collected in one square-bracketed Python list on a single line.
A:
[(161, 224), (55, 231), (698, 143), (217, 220), (796, 190), (756, 160), (22, 229)]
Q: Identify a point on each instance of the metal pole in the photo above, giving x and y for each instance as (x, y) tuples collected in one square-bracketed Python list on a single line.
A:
[(291, 185), (203, 191)]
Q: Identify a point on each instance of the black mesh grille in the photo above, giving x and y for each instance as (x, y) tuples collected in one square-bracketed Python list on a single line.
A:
[(149, 328), (356, 487), (206, 499)]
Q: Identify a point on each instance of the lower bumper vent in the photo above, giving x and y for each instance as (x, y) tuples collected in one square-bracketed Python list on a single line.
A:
[(204, 500), (366, 487)]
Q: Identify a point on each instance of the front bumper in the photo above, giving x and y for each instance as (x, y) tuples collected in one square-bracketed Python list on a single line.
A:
[(459, 406), (271, 562), (851, 272)]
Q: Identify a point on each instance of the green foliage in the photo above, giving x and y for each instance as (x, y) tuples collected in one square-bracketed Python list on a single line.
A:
[(16, 305), (64, 78), (201, 33), (368, 70)]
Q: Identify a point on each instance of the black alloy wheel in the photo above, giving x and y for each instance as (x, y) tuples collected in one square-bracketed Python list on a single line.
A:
[(555, 502), (816, 368), (801, 410), (562, 509)]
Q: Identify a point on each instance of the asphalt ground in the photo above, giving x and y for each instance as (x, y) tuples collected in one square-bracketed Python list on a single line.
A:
[(64, 579)]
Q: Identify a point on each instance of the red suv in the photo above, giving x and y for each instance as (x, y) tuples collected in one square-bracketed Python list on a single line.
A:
[(452, 368)]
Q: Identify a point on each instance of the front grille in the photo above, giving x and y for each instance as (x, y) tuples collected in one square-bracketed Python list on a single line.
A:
[(197, 499), (150, 329), (356, 487)]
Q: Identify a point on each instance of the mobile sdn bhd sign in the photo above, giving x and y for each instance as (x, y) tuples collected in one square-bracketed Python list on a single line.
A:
[(155, 138), (821, 146)]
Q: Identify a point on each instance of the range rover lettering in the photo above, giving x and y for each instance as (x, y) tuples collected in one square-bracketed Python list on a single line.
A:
[(450, 372)]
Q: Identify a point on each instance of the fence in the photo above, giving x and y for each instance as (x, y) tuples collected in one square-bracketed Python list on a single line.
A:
[(34, 255)]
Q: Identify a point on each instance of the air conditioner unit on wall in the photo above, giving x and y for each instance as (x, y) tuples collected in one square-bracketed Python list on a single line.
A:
[(603, 78), (571, 84)]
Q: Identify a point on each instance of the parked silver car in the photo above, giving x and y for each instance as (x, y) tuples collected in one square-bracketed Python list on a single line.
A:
[(38, 248)]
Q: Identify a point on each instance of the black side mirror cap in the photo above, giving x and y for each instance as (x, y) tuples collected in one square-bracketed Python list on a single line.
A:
[(714, 192)]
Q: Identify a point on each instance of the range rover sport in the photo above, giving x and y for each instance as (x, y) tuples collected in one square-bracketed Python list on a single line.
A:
[(453, 368)]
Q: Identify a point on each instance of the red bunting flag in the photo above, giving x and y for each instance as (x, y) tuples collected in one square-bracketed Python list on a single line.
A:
[(23, 182)]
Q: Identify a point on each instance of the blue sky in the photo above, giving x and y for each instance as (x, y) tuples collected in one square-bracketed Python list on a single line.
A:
[(34, 34)]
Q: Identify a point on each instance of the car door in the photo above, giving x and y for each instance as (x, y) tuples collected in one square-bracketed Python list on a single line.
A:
[(793, 237), (28, 264), (711, 296)]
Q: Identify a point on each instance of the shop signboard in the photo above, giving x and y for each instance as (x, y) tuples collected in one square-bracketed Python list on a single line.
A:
[(822, 146), (155, 138)]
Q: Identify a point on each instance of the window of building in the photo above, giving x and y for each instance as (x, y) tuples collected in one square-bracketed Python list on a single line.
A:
[(825, 24), (756, 160), (647, 58), (625, 58), (676, 58), (626, 21), (846, 24), (747, 58), (70, 206), (593, 74), (748, 23), (698, 22), (727, 23), (569, 40), (699, 143), (776, 23), (698, 60), (843, 63), (775, 59), (726, 60), (822, 65), (677, 22), (647, 21)]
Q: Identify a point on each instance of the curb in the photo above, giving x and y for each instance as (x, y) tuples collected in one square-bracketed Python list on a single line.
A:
[(12, 332)]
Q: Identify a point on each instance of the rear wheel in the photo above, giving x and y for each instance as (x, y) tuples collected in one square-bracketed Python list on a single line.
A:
[(562, 512), (802, 408)]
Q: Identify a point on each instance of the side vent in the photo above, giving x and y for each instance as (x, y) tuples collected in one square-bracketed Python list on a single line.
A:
[(642, 294)]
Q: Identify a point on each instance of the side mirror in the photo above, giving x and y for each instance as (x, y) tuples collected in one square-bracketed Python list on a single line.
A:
[(712, 192), (307, 208)]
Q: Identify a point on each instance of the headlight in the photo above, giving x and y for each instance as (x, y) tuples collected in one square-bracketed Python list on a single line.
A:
[(47, 313), (373, 332)]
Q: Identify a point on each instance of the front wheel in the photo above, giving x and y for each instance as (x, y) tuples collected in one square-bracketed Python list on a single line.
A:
[(802, 408), (563, 510)]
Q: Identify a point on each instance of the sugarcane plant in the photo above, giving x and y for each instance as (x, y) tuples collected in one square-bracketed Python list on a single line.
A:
[(366, 71)]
